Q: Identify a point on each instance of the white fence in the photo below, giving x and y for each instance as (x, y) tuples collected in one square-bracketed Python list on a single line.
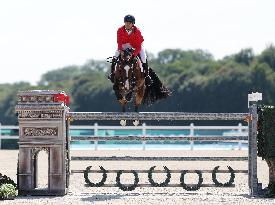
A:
[(238, 130)]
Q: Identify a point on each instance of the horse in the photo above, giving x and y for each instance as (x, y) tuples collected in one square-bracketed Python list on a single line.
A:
[(129, 82)]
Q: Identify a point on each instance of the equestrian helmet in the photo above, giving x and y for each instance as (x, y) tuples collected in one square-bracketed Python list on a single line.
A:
[(129, 18)]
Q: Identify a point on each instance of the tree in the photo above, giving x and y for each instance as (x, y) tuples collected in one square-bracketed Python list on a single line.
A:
[(245, 56), (268, 56), (60, 75)]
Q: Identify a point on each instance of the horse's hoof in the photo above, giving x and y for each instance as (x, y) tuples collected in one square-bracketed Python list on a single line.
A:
[(122, 122), (136, 122)]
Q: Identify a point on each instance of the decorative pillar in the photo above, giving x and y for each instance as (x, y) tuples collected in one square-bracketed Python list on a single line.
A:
[(42, 126)]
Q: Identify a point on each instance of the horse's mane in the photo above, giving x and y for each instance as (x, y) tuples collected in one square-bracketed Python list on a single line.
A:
[(156, 91)]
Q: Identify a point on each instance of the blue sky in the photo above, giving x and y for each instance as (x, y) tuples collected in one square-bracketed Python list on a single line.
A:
[(40, 35)]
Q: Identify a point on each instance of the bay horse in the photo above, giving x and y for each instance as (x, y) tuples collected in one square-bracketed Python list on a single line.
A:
[(129, 79), (129, 82)]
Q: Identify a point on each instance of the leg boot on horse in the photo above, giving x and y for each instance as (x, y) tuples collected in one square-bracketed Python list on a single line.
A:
[(117, 93)]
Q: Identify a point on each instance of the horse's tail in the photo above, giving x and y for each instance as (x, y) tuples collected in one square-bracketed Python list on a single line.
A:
[(156, 91)]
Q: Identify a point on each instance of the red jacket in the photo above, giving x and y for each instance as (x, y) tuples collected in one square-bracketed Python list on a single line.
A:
[(135, 39)]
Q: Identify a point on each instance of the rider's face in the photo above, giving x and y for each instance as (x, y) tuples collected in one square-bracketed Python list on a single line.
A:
[(128, 25)]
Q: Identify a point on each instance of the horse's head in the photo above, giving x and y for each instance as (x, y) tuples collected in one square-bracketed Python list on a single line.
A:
[(127, 54)]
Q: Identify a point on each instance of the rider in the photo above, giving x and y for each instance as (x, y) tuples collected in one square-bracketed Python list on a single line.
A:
[(130, 36)]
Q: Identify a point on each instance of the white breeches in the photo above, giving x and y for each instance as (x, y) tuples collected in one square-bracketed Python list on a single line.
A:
[(142, 52)]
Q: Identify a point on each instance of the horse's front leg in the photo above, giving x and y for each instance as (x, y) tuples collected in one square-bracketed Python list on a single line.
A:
[(123, 103), (138, 101), (139, 97)]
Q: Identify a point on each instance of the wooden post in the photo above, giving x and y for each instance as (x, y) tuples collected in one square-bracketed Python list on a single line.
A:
[(252, 155)]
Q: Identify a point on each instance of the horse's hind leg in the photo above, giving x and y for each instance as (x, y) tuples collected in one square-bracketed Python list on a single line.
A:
[(138, 101), (136, 108)]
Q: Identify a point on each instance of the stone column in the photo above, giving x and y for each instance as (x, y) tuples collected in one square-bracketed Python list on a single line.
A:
[(42, 126)]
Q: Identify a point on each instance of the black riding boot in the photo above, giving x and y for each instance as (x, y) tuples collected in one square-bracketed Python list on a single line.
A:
[(111, 76), (148, 80)]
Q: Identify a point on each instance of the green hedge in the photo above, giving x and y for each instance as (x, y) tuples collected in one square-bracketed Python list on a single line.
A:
[(266, 132)]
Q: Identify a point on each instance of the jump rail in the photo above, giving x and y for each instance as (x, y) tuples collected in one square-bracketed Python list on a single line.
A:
[(155, 116), (159, 138), (130, 158)]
